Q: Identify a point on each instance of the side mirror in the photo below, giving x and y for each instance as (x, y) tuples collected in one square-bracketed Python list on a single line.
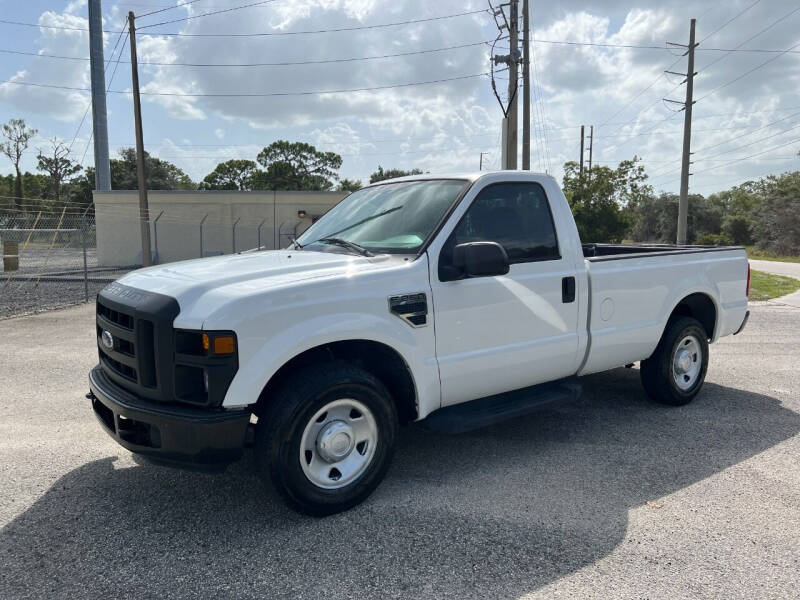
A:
[(480, 259)]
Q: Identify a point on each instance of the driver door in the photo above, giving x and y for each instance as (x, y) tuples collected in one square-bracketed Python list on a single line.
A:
[(499, 333)]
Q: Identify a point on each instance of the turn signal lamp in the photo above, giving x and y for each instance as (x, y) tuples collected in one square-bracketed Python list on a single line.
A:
[(224, 344), (218, 344)]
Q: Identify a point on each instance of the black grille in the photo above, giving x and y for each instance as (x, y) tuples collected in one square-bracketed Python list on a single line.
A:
[(121, 369), (118, 318), (139, 355), (121, 357)]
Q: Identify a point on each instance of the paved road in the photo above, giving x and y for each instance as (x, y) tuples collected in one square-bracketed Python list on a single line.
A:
[(606, 497), (777, 268), (780, 268)]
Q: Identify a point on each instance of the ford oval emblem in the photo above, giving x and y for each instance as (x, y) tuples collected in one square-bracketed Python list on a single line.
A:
[(107, 339)]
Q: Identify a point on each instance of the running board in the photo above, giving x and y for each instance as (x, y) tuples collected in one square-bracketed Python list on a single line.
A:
[(483, 412)]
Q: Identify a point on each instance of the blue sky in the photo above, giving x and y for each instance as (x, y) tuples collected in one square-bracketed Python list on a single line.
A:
[(436, 127)]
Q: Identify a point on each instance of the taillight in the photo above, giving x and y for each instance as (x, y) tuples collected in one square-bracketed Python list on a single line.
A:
[(747, 293)]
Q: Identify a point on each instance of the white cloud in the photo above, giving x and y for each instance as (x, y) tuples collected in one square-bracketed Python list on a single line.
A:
[(440, 126), (65, 105)]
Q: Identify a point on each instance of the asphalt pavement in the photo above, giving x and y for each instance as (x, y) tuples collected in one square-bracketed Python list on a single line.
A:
[(786, 269), (608, 496)]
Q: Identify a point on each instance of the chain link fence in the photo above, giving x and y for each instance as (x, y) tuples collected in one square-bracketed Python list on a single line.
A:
[(49, 261), (51, 258)]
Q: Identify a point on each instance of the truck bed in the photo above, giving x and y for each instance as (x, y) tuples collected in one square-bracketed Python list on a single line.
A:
[(596, 252), (630, 300)]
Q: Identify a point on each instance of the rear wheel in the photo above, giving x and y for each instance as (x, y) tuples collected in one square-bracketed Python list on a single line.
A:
[(676, 371), (327, 437)]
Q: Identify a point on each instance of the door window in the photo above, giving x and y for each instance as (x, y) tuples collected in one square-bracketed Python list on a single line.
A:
[(515, 215)]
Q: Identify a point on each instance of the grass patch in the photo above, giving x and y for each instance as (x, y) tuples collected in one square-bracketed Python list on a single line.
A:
[(756, 255), (764, 286)]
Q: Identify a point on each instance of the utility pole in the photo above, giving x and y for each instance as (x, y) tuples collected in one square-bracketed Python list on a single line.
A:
[(583, 144), (102, 167), (591, 148), (683, 202), (526, 88), (480, 168), (509, 128), (144, 213), (513, 85)]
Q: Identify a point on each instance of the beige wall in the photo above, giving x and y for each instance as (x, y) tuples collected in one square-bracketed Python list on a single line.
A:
[(119, 238)]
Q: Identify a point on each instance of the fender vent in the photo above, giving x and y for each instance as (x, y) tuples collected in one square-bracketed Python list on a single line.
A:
[(412, 308)]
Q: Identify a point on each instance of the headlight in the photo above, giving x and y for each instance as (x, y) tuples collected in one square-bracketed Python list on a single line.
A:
[(205, 364)]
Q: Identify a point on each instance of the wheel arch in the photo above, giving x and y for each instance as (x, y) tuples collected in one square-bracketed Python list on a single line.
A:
[(700, 306), (377, 358)]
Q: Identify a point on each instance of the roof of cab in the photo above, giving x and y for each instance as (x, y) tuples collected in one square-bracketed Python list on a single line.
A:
[(471, 176)]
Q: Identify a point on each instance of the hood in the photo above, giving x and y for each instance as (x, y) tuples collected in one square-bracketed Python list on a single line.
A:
[(250, 273)]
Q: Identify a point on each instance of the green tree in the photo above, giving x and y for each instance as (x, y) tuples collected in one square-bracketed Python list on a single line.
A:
[(381, 175), (161, 175), (296, 166), (777, 225), (739, 207), (602, 201), (703, 225), (17, 136), (349, 185), (235, 174), (37, 190), (58, 165), (6, 190)]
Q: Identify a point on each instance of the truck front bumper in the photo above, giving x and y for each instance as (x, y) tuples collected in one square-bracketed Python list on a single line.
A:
[(181, 436)]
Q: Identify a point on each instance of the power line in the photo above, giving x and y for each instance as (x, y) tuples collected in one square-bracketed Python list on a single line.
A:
[(343, 142), (256, 94), (729, 21), (746, 73), (263, 64), (725, 24), (643, 47), (108, 87), (543, 115), (155, 12), (208, 14), (262, 34), (89, 105), (752, 37), (725, 114), (316, 31), (734, 149), (750, 133), (632, 100), (737, 160)]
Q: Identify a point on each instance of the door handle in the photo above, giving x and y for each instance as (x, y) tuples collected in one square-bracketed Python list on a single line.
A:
[(567, 290)]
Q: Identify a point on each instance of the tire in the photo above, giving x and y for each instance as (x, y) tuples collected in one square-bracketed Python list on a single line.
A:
[(303, 435), (676, 370)]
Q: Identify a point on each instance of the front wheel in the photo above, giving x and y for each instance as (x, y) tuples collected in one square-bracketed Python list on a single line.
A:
[(676, 370), (327, 437)]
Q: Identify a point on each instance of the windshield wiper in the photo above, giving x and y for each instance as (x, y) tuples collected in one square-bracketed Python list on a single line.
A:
[(346, 244)]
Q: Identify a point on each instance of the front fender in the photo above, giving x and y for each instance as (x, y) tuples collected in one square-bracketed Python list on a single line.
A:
[(260, 359)]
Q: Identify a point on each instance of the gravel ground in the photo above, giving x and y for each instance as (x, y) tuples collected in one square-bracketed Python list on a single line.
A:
[(49, 279), (605, 497)]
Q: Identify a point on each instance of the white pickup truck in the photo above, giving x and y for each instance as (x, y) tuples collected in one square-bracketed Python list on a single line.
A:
[(462, 300)]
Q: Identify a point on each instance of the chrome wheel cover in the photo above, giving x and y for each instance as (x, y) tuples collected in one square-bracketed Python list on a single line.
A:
[(338, 443), (687, 362)]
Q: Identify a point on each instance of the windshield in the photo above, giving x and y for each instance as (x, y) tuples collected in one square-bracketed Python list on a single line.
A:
[(394, 217)]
